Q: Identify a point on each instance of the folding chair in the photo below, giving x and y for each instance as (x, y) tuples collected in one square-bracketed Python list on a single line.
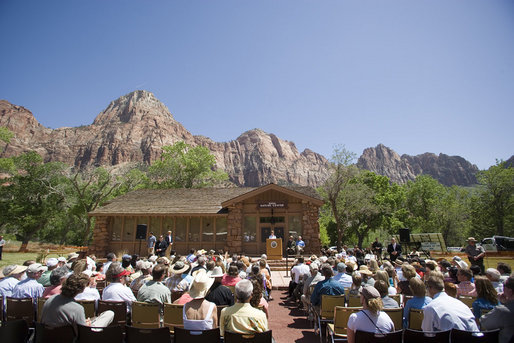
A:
[(337, 330), (415, 318), (258, 337), (14, 331), (175, 295), (354, 301), (475, 337), (396, 315), (326, 311), (118, 307), (371, 337), (40, 303), (192, 336), (219, 308), (138, 335), (20, 309), (100, 285), (146, 315), (111, 334), (406, 298), (467, 300), (89, 307), (173, 316), (414, 336), (48, 334), (1, 309), (396, 297)]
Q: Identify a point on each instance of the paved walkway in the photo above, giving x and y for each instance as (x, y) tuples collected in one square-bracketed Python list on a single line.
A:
[(288, 322), (280, 280)]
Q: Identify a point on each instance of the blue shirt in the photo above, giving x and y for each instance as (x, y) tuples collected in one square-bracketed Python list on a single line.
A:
[(28, 288), (327, 287), (7, 285), (482, 304), (417, 303), (300, 244)]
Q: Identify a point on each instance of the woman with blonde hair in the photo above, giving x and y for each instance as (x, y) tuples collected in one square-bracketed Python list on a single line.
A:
[(371, 318), (487, 297), (408, 273), (384, 276), (373, 266)]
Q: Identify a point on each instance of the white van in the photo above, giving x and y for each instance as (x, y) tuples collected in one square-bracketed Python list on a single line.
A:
[(498, 243)]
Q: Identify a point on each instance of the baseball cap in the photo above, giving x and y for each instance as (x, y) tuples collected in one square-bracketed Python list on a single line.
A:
[(36, 267), (52, 262)]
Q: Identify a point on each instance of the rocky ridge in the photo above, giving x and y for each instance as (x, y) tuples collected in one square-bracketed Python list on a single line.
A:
[(448, 170), (133, 129)]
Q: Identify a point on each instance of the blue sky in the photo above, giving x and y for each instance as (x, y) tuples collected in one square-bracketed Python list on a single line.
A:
[(417, 76)]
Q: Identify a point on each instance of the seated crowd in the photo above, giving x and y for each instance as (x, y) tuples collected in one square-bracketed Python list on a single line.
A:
[(439, 288), (201, 281)]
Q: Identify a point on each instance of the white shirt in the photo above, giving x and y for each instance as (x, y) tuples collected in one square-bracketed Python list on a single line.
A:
[(344, 279), (359, 321), (299, 270), (117, 292), (351, 258), (445, 313), (89, 293)]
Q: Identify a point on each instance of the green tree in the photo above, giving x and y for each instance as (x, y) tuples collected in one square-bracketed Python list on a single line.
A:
[(31, 196), (184, 166), (335, 189), (89, 189), (452, 215), (493, 205), (422, 200), (6, 164)]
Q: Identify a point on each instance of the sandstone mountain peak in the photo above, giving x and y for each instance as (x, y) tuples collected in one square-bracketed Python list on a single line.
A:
[(135, 127), (134, 106), (449, 170)]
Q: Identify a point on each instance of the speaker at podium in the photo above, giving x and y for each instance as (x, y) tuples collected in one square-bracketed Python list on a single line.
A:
[(274, 248)]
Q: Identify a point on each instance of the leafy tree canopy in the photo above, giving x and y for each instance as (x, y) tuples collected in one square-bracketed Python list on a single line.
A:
[(184, 166)]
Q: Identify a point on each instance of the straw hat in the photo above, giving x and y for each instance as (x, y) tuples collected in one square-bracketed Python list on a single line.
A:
[(13, 270), (364, 270), (179, 267), (200, 286), (472, 239)]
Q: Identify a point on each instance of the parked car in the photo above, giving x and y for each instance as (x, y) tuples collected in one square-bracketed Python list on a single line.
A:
[(498, 243)]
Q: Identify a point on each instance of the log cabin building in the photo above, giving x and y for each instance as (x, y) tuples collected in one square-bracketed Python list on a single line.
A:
[(237, 220)]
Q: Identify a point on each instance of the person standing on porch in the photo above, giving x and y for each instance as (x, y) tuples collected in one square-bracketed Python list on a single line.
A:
[(169, 239), (151, 244), (272, 235), (300, 245)]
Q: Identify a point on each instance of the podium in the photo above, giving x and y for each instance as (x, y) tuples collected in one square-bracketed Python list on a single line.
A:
[(274, 248)]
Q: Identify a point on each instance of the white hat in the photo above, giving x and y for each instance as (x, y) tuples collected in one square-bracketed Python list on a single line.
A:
[(152, 258), (36, 267), (200, 286), (52, 262), (89, 272), (146, 265), (72, 255), (61, 259), (216, 272)]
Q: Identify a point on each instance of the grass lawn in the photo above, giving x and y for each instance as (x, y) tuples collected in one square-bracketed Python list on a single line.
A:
[(18, 258)]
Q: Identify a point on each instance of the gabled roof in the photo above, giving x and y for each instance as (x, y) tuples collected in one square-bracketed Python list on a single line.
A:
[(191, 201), (305, 193)]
